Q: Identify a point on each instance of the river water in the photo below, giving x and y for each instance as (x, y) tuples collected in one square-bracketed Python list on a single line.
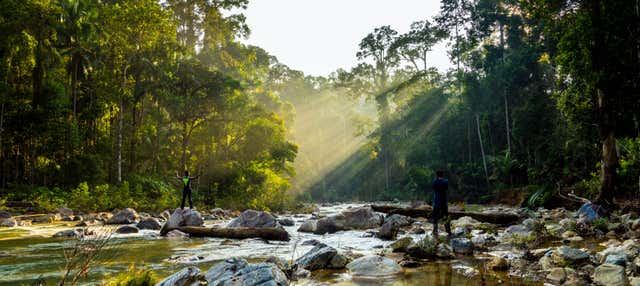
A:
[(28, 254)]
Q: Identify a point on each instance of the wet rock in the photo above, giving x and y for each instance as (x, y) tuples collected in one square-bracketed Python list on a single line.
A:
[(373, 266), (286, 222), (281, 263), (149, 223), (462, 245), (189, 276), (631, 247), (389, 230), (569, 233), (219, 213), (9, 222), (182, 217), (568, 224), (308, 226), (127, 229), (559, 275), (569, 255), (70, 233), (176, 234), (24, 223), (319, 257), (401, 245), (253, 218), (518, 230), (399, 220), (125, 216), (498, 263), (313, 242), (610, 275), (417, 229), (634, 281), (236, 271), (425, 248), (466, 222), (444, 251), (338, 261), (90, 222), (165, 214), (44, 219), (617, 259), (326, 225)]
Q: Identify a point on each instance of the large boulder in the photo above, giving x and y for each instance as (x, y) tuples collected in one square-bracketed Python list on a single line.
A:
[(182, 217), (237, 271), (252, 218), (355, 218), (149, 223), (125, 216), (610, 275), (321, 256), (373, 266), (189, 276)]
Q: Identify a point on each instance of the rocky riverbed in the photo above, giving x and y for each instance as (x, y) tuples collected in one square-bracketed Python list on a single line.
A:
[(346, 244)]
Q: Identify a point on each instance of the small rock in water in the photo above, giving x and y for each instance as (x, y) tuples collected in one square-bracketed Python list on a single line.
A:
[(610, 275), (569, 255), (462, 245), (149, 223), (286, 222), (319, 257), (69, 233), (498, 263), (9, 222), (374, 266), (125, 216), (401, 245), (444, 251), (189, 276), (24, 223), (4, 214), (127, 229), (308, 226), (313, 242), (176, 234)]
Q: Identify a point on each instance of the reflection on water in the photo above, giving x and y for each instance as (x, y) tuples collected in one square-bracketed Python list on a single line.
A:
[(27, 254)]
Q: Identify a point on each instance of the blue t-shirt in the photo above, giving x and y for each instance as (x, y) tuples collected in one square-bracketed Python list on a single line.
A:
[(440, 187)]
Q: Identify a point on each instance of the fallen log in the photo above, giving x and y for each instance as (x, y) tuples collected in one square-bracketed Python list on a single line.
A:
[(495, 218), (268, 233)]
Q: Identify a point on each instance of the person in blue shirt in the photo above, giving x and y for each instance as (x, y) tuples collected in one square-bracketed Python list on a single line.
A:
[(186, 189), (440, 209)]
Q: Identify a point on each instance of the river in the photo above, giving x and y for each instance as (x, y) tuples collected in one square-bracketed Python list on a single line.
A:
[(28, 254)]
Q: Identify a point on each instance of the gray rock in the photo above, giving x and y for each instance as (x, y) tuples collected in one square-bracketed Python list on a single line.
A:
[(127, 229), (182, 217), (308, 226), (610, 275), (355, 218), (374, 266), (176, 234), (518, 229), (149, 223), (399, 220), (189, 276), (318, 257), (89, 222), (401, 245), (569, 255), (44, 219), (64, 211), (444, 251), (617, 259), (125, 216), (166, 214), (9, 222), (286, 222), (252, 218), (389, 230), (466, 222), (238, 272), (338, 261), (462, 245), (70, 233), (24, 223)]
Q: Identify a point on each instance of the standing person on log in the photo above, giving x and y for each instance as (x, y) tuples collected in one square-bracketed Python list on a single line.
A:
[(186, 189), (440, 208)]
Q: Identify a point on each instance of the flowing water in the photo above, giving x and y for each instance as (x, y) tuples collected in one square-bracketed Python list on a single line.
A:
[(28, 254)]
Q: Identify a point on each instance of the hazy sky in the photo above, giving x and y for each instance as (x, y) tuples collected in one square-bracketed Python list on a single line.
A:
[(320, 36)]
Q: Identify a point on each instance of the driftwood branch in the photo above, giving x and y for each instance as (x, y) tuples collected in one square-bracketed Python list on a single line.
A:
[(425, 211), (268, 233)]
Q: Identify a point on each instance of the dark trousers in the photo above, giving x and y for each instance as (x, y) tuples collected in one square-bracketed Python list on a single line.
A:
[(441, 214), (186, 192)]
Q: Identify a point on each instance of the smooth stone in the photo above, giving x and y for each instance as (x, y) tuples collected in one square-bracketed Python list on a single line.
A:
[(127, 229), (182, 217), (125, 216), (401, 245), (373, 266), (319, 257), (462, 245), (189, 276), (308, 226), (286, 222), (610, 275), (69, 233), (149, 223), (253, 218)]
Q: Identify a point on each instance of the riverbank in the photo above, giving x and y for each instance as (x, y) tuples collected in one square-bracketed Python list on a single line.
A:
[(540, 248)]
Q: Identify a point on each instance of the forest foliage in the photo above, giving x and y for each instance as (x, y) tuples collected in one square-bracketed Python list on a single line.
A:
[(102, 102)]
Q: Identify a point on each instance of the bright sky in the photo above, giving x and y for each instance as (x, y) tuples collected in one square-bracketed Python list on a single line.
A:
[(320, 36)]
